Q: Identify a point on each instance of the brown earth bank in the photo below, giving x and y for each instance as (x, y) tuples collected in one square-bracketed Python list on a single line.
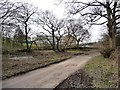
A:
[(21, 62), (77, 80), (17, 62)]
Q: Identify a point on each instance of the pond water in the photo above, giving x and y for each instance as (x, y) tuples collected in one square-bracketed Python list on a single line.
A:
[(21, 57)]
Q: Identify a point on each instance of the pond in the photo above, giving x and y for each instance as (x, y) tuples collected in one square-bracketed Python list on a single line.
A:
[(21, 57)]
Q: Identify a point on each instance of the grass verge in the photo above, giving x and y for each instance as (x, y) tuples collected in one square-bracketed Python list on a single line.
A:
[(103, 71)]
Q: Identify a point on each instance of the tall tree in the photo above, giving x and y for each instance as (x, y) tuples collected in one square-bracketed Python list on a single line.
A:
[(25, 15), (52, 26), (7, 12), (78, 31), (99, 13)]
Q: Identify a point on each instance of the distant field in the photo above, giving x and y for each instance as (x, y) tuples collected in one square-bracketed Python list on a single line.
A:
[(10, 47)]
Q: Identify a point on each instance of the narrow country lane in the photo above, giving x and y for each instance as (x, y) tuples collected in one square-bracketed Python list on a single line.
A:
[(48, 77)]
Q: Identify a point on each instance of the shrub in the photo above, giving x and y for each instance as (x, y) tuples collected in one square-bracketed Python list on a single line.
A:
[(115, 54), (106, 52), (104, 48), (4, 51)]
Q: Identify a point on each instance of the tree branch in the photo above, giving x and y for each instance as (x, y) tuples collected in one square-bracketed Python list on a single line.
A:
[(99, 23)]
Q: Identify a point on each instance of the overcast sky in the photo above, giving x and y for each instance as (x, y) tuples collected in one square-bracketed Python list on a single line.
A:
[(59, 10)]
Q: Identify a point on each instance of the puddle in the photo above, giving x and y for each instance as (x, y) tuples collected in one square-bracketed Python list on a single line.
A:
[(21, 58)]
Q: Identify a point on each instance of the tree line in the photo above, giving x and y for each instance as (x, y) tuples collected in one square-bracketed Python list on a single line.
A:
[(16, 18)]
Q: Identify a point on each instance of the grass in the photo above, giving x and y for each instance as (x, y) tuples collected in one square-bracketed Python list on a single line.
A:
[(103, 71), (74, 51), (10, 45), (11, 67)]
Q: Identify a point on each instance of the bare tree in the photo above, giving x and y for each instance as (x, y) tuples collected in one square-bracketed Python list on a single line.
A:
[(52, 26), (7, 10), (24, 16), (78, 31), (14, 14), (59, 34), (106, 11)]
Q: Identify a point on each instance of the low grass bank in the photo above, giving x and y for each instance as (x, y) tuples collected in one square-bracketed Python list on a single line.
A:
[(98, 73), (103, 71), (13, 67)]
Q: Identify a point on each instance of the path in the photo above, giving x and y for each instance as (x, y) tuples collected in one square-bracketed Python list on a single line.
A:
[(48, 77)]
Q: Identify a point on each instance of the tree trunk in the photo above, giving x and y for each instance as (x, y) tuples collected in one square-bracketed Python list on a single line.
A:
[(112, 42), (30, 46), (111, 25), (53, 39), (112, 38), (3, 39), (58, 48), (77, 44), (26, 36)]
